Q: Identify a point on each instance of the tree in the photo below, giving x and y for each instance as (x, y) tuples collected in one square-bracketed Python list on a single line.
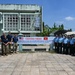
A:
[(59, 26), (47, 30), (54, 25), (62, 26), (69, 29), (43, 26)]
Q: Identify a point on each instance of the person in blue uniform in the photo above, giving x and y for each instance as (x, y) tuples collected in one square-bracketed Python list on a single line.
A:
[(60, 43), (65, 45), (15, 39), (9, 37), (56, 43), (71, 45), (68, 44), (74, 47)]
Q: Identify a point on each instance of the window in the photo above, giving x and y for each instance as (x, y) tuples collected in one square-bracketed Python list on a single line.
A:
[(10, 22), (25, 22)]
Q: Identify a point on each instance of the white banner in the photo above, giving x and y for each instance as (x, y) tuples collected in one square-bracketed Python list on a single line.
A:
[(35, 40)]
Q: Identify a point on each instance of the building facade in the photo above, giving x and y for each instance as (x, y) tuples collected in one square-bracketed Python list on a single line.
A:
[(18, 18)]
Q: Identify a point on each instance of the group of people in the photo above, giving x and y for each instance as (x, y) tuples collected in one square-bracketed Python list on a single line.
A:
[(64, 44), (8, 41)]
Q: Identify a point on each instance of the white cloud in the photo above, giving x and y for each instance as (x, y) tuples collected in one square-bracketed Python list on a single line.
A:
[(69, 18), (59, 22)]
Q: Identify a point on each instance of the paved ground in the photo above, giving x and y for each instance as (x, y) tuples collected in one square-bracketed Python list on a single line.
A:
[(39, 63)]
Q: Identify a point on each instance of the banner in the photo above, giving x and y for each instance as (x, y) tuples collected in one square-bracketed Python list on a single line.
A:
[(35, 40)]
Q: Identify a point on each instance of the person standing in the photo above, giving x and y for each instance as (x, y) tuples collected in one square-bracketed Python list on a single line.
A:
[(2, 40), (9, 37), (71, 45), (5, 45), (56, 43), (65, 45), (74, 47), (60, 43), (15, 39), (68, 44)]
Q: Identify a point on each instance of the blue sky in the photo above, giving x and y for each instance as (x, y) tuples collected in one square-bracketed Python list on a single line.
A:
[(54, 11)]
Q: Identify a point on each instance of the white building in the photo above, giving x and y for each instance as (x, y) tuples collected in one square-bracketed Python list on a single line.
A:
[(26, 19)]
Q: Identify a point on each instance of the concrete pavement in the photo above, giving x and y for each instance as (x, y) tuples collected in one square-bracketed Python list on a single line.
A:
[(38, 63)]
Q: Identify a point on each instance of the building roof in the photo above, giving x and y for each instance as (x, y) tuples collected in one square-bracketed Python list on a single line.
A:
[(60, 32), (70, 33), (19, 7)]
